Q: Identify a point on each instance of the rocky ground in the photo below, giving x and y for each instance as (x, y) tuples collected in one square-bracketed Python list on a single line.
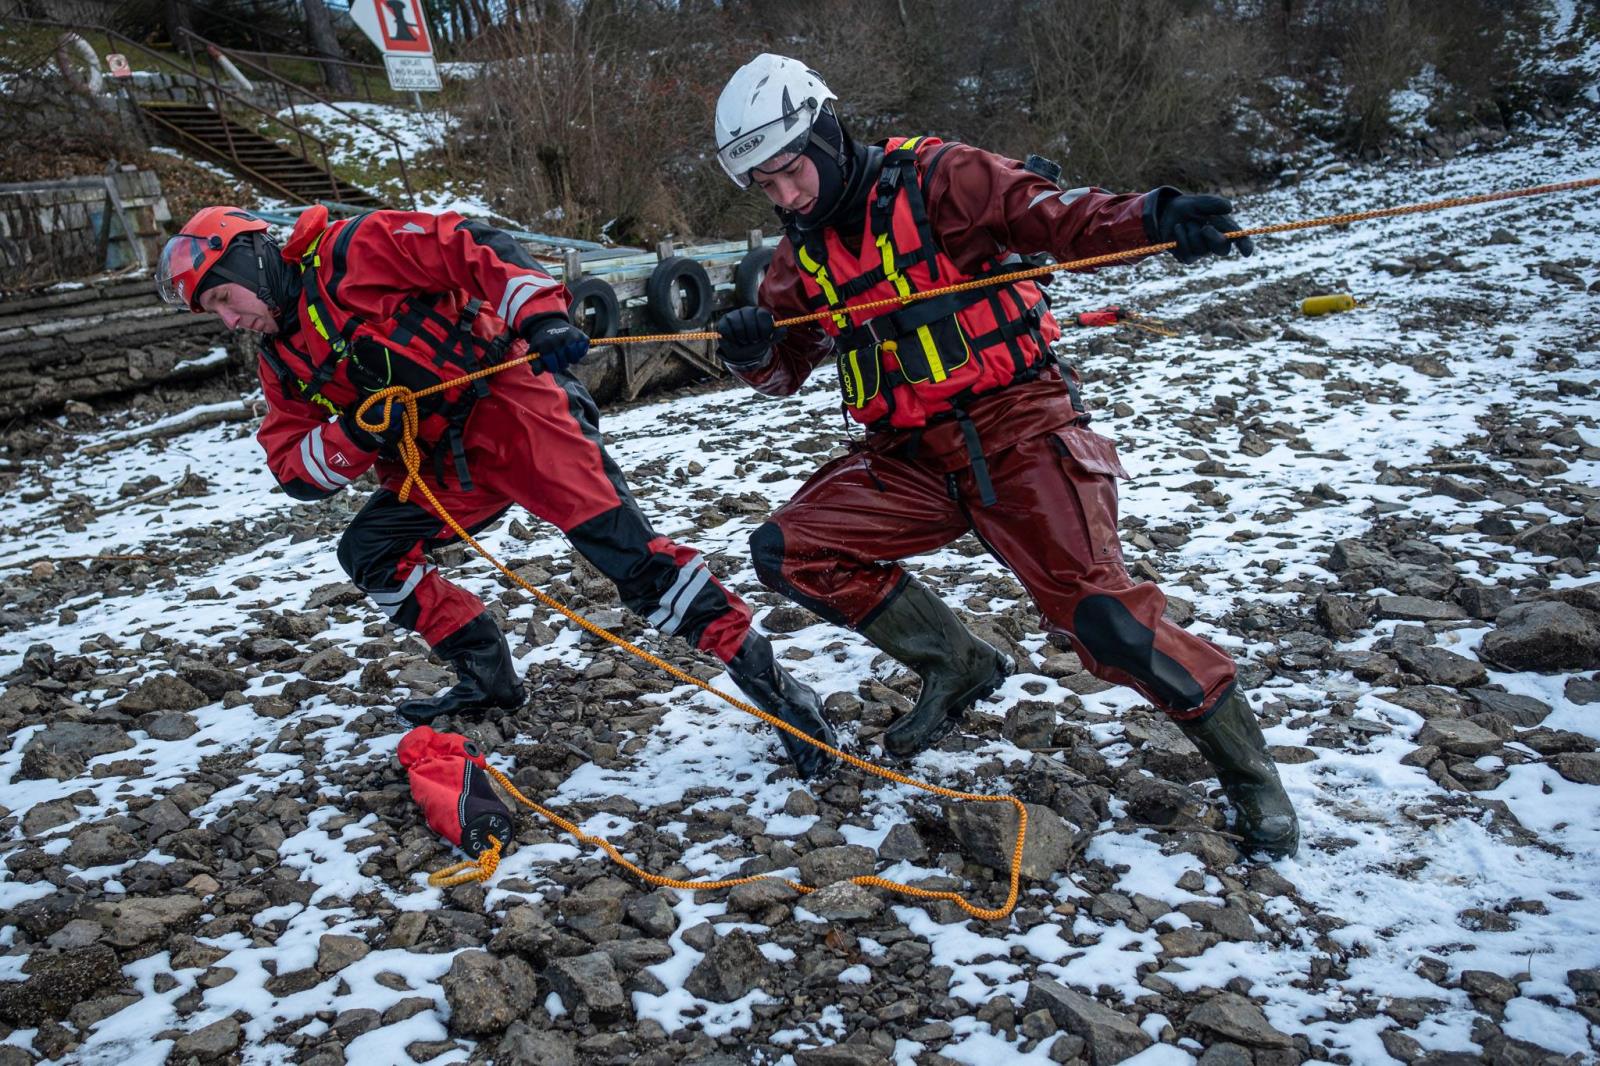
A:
[(1390, 517)]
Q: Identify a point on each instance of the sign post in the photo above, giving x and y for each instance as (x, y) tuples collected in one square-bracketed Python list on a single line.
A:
[(399, 30)]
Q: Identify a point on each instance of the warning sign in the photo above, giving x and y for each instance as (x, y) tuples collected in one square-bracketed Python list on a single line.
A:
[(400, 30), (412, 73)]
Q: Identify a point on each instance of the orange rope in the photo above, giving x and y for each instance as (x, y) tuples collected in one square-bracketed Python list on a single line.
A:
[(486, 864)]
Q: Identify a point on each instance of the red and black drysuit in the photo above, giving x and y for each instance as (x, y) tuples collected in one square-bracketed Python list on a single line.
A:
[(971, 425), (413, 298)]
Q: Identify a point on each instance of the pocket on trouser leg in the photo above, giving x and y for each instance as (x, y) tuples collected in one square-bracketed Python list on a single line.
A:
[(1091, 466)]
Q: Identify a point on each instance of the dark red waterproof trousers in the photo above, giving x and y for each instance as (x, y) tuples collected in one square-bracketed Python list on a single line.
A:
[(834, 548), (534, 441)]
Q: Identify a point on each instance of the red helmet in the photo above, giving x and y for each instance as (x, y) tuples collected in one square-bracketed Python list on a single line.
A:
[(190, 255)]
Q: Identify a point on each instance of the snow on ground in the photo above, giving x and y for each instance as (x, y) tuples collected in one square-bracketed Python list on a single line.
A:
[(1382, 850), (375, 137)]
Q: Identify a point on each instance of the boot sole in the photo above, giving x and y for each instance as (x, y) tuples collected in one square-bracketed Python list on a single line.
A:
[(955, 716), (474, 711)]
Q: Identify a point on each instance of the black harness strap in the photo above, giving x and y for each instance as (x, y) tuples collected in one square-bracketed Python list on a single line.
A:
[(980, 463)]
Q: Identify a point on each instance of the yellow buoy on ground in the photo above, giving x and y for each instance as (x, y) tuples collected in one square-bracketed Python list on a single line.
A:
[(1325, 305)]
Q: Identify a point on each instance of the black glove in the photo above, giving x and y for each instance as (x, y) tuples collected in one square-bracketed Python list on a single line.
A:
[(556, 341), (1196, 223), (374, 442), (747, 336)]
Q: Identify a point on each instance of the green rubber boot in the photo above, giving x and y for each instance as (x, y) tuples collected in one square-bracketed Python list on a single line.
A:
[(957, 669), (1230, 739)]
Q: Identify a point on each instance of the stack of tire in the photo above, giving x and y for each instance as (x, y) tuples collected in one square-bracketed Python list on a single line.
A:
[(679, 295)]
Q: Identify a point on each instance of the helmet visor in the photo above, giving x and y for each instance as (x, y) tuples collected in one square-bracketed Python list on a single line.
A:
[(179, 269), (757, 148)]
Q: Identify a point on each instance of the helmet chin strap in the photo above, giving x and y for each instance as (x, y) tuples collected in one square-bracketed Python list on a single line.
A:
[(258, 267)]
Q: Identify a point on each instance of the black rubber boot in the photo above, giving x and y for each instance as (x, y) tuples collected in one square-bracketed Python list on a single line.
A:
[(1230, 739), (957, 669), (776, 691), (488, 678)]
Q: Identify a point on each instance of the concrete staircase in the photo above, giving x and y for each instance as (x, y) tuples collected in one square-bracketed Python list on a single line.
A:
[(200, 129)]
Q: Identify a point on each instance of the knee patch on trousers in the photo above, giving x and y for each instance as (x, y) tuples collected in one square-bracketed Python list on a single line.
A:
[(1118, 640), (766, 554)]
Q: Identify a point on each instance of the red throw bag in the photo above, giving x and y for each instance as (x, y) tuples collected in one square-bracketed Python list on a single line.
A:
[(450, 782)]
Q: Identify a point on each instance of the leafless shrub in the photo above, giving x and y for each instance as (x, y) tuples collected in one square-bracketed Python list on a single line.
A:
[(1124, 92)]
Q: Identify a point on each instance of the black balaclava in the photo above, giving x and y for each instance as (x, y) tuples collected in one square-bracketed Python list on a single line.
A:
[(845, 173), (253, 260)]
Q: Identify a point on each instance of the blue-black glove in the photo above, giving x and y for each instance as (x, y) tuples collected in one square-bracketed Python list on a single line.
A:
[(556, 341), (1196, 223), (747, 336)]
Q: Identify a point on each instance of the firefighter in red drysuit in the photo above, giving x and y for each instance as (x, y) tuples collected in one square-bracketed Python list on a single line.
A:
[(970, 422), (412, 298)]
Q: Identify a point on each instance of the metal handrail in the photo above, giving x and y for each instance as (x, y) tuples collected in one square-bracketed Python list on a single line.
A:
[(254, 174), (364, 76), (217, 91), (292, 87)]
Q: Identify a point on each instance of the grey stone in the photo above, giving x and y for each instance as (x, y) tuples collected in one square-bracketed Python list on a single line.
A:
[(354, 1022), (215, 1041), (1488, 985), (1352, 554), (163, 692), (652, 913), (1030, 724), (329, 664), (1342, 616), (524, 1045), (102, 845), (841, 1055), (1418, 609), (79, 739), (589, 981), (486, 993), (43, 817), (55, 983), (169, 725), (1484, 601), (731, 968), (827, 865), (1581, 767), (1166, 752), (787, 618), (1584, 982), (631, 956), (525, 932), (987, 833), (1428, 701), (1456, 489), (902, 844), (335, 951), (1546, 636), (757, 896), (1458, 736), (164, 816), (1226, 1054), (843, 902), (216, 682), (1109, 1036), (1582, 690), (1524, 711), (1233, 1017), (1438, 666)]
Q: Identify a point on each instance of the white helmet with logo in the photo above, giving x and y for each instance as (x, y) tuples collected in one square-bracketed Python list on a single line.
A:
[(765, 112)]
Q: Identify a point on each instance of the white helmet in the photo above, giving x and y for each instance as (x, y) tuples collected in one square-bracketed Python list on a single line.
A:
[(765, 111)]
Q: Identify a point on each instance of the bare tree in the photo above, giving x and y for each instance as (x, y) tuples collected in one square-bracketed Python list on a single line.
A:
[(319, 27)]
